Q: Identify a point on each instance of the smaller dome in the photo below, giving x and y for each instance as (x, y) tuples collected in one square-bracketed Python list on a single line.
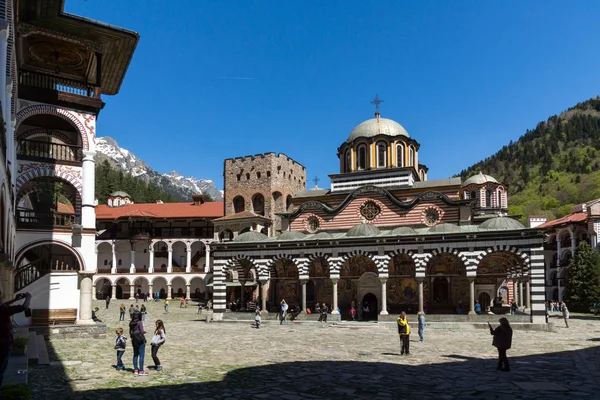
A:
[(403, 231), (444, 228), (502, 224), (291, 235), (364, 230), (322, 235), (479, 179), (120, 193), (251, 236)]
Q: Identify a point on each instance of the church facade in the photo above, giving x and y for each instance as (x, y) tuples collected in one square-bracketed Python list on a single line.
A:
[(382, 235)]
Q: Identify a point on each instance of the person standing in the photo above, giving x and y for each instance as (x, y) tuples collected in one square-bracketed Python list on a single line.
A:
[(323, 316), (565, 313), (122, 312), (502, 341), (158, 339), (421, 319), (6, 327), (353, 313), (120, 347), (138, 341), (181, 302), (166, 306), (365, 311), (107, 301), (143, 311), (284, 310), (404, 332), (131, 311)]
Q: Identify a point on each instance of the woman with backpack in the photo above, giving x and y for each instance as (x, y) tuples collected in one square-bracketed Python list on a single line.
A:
[(158, 339), (138, 342)]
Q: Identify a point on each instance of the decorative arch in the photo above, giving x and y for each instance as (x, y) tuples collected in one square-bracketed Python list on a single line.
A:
[(118, 278), (34, 132), (511, 249), (98, 278), (73, 175), (441, 250), (68, 116), (21, 253), (170, 281), (357, 252)]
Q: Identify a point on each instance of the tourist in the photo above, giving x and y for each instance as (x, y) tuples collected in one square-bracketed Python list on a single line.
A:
[(137, 297), (199, 307), (131, 311), (404, 332), (209, 304), (502, 341), (107, 301), (138, 341), (143, 311), (323, 316), (513, 308), (365, 310), (120, 347), (565, 313), (421, 319), (257, 318), (166, 306), (122, 312), (477, 307), (94, 316), (353, 313), (158, 339), (181, 302), (284, 310), (6, 327), (317, 308)]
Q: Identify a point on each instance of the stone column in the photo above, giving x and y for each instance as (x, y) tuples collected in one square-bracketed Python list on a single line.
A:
[(472, 295), (170, 262), (85, 298), (559, 288), (263, 295), (94, 292), (188, 260), (243, 295), (151, 290), (420, 293), (528, 297), (521, 293), (114, 292), (113, 267), (383, 296), (207, 260), (131, 292), (132, 265), (187, 291), (151, 266), (304, 282), (169, 292), (334, 281), (88, 212), (515, 291)]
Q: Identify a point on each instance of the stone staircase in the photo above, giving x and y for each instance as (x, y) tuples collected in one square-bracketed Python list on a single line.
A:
[(18, 365)]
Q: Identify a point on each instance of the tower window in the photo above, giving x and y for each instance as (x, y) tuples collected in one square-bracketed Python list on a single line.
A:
[(258, 175), (348, 161), (499, 205), (239, 177), (488, 198), (381, 154), (247, 177), (399, 155), (362, 156), (268, 174), (411, 157)]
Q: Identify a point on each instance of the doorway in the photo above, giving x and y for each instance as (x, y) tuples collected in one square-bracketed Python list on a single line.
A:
[(485, 301), (369, 300)]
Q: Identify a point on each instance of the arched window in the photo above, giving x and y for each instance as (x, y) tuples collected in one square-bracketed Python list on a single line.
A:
[(488, 198), (411, 157), (348, 161), (362, 156), (239, 204), (278, 201), (381, 154), (422, 174), (258, 204), (226, 235), (399, 155), (288, 202), (246, 229), (499, 205)]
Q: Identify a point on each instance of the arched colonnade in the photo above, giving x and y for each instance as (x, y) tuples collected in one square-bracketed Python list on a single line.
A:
[(190, 286)]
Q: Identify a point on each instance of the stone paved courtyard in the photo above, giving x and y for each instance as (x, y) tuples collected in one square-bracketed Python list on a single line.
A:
[(317, 361)]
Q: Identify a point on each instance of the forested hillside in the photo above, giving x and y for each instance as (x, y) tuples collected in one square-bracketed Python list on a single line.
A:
[(552, 167), (110, 179)]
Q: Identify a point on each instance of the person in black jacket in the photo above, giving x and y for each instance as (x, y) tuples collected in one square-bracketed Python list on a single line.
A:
[(502, 341)]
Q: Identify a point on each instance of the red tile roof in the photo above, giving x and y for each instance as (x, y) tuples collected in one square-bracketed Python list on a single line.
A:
[(241, 215), (568, 219), (211, 209), (65, 208)]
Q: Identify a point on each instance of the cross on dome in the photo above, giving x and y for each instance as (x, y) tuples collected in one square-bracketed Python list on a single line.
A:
[(377, 101)]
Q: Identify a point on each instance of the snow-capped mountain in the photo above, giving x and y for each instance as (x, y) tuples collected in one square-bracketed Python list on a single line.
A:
[(174, 183)]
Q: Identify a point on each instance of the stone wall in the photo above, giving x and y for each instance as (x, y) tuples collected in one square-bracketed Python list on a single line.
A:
[(274, 176), (96, 331)]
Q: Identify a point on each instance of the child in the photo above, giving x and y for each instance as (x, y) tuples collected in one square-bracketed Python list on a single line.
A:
[(95, 316), (166, 306), (257, 318), (120, 347), (353, 313), (181, 302), (158, 339)]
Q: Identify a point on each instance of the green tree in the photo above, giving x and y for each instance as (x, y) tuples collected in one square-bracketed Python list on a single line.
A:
[(583, 286)]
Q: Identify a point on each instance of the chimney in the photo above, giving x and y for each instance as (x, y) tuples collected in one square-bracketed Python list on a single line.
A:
[(198, 199), (159, 202), (534, 221)]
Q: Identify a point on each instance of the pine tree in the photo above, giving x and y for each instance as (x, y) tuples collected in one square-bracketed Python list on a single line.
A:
[(583, 287)]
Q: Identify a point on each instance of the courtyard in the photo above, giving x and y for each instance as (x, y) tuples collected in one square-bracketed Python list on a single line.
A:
[(232, 360)]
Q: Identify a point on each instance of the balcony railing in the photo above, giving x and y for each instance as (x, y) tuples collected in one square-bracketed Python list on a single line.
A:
[(34, 219), (43, 81), (27, 274), (49, 151), (200, 232)]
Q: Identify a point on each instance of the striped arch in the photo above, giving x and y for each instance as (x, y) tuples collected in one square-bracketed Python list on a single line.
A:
[(442, 250), (317, 254), (357, 252), (69, 174), (283, 256), (521, 254), (419, 264), (234, 266), (66, 115)]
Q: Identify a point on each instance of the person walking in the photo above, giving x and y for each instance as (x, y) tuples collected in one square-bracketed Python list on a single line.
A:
[(421, 326), (158, 339), (502, 341), (181, 302), (137, 297), (107, 301), (166, 306), (284, 310), (6, 327), (138, 341), (120, 344), (131, 311), (565, 313), (122, 312), (404, 332), (143, 311)]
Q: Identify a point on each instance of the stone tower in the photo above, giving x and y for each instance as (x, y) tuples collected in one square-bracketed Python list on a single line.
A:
[(263, 184)]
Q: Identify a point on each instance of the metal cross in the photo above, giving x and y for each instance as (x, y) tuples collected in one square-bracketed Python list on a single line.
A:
[(377, 101), (316, 180)]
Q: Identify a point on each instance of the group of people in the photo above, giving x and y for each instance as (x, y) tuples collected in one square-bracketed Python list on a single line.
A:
[(561, 306)]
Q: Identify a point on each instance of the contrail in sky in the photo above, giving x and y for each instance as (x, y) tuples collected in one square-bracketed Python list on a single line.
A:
[(239, 78)]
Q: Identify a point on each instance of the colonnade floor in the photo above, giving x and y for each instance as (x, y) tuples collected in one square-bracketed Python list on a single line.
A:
[(317, 361)]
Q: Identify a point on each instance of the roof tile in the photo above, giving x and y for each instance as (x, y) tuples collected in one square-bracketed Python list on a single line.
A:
[(212, 209)]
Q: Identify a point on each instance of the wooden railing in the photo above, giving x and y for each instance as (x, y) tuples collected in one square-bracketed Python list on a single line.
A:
[(43, 81), (29, 273), (34, 219), (196, 258), (49, 150)]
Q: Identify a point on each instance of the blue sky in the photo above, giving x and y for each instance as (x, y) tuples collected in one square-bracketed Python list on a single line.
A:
[(464, 78)]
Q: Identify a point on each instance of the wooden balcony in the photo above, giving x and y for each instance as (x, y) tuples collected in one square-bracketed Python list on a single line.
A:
[(30, 219), (56, 153), (59, 91)]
